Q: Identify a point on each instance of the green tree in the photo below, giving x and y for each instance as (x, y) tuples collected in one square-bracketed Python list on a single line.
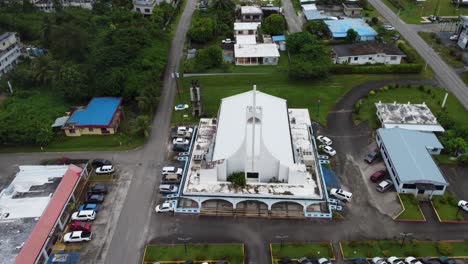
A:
[(224, 5), (455, 145), (210, 57), (69, 41), (295, 41), (202, 30), (143, 125), (71, 83), (351, 36), (317, 28), (238, 179), (43, 70), (274, 25), (44, 135)]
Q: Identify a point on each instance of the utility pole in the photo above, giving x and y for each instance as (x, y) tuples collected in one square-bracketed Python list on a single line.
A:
[(404, 236), (185, 240), (281, 238)]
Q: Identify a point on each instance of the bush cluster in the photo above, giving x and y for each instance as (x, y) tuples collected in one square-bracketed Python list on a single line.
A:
[(377, 69)]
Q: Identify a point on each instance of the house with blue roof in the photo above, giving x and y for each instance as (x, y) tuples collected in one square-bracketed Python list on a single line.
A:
[(339, 28), (100, 117), (407, 154)]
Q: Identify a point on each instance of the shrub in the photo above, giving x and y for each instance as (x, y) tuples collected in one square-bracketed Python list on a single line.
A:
[(372, 92), (463, 159), (386, 253), (442, 199), (238, 179), (444, 248), (421, 88), (377, 69), (451, 200), (411, 55)]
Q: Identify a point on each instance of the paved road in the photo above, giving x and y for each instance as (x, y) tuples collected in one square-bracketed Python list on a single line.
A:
[(444, 73), (128, 241), (294, 21)]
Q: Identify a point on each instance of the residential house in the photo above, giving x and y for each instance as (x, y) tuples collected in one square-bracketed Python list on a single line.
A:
[(462, 32), (48, 5), (9, 51), (259, 54), (366, 53), (251, 14), (339, 29), (100, 117), (246, 28), (352, 9), (408, 116), (407, 154), (145, 7)]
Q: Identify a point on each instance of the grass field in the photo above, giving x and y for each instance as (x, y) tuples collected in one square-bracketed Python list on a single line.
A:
[(413, 11), (386, 248), (415, 95), (298, 250), (443, 52), (447, 208), (234, 253), (412, 210), (299, 94)]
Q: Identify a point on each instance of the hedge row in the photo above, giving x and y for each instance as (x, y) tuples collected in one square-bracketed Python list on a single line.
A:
[(411, 55), (399, 68)]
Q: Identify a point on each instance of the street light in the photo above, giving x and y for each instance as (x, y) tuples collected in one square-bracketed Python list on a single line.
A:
[(185, 240), (404, 236), (281, 238)]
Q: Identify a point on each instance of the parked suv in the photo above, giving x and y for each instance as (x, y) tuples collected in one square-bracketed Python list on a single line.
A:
[(341, 194), (171, 170), (85, 215), (168, 188), (98, 188), (372, 156), (384, 185), (378, 175), (171, 178)]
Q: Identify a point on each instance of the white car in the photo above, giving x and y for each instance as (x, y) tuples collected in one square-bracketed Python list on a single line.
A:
[(77, 236), (171, 170), (184, 129), (329, 150), (341, 194), (463, 205), (378, 260), (389, 27), (395, 260), (165, 207), (384, 185), (180, 141), (84, 215), (454, 37), (323, 261), (181, 107), (106, 169), (412, 260), (324, 140)]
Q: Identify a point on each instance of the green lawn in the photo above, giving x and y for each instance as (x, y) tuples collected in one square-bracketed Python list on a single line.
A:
[(443, 52), (447, 208), (413, 11), (234, 253), (298, 250), (412, 210), (300, 94), (415, 95), (83, 143), (387, 248)]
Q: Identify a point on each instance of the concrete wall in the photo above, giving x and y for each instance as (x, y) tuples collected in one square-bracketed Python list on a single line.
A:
[(372, 59)]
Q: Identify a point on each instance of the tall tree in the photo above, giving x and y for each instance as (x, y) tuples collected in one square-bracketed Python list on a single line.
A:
[(274, 24), (351, 36)]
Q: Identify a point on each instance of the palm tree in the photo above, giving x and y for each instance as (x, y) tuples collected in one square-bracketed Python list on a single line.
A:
[(225, 5), (143, 125)]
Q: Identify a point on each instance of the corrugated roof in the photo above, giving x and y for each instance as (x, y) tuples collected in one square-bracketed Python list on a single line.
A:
[(408, 151), (314, 15), (246, 25), (258, 50), (309, 7), (99, 112), (246, 39), (339, 28), (275, 133), (32, 247), (59, 122), (366, 48)]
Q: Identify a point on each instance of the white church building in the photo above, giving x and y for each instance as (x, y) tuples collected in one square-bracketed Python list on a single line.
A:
[(255, 134)]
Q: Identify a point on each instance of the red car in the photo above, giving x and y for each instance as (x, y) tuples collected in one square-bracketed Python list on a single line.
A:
[(378, 175), (80, 226)]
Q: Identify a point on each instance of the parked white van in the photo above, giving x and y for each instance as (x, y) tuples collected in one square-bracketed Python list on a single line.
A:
[(341, 194)]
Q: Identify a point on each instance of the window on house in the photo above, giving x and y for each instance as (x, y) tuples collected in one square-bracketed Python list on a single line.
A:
[(91, 129), (409, 186), (370, 58), (397, 180), (71, 131), (138, 9), (355, 58), (439, 187), (251, 32), (393, 57), (147, 10)]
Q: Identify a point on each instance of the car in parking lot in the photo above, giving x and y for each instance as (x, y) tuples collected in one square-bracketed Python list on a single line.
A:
[(165, 207), (378, 260), (412, 260), (389, 27), (378, 175), (171, 178), (168, 188), (184, 129), (324, 140), (89, 206), (97, 188), (384, 185), (180, 141), (80, 226), (94, 198), (329, 150), (106, 169), (395, 260), (323, 261), (341, 194), (171, 170), (100, 162), (454, 37), (77, 236), (463, 205), (85, 215), (372, 156), (304, 260), (180, 148), (181, 107)]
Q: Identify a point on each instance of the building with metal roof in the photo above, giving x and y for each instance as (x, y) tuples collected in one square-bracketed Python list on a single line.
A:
[(366, 53), (100, 117), (339, 28), (408, 116), (408, 157), (258, 54)]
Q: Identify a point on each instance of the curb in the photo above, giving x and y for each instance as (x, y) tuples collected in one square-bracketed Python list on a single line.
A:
[(408, 220)]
